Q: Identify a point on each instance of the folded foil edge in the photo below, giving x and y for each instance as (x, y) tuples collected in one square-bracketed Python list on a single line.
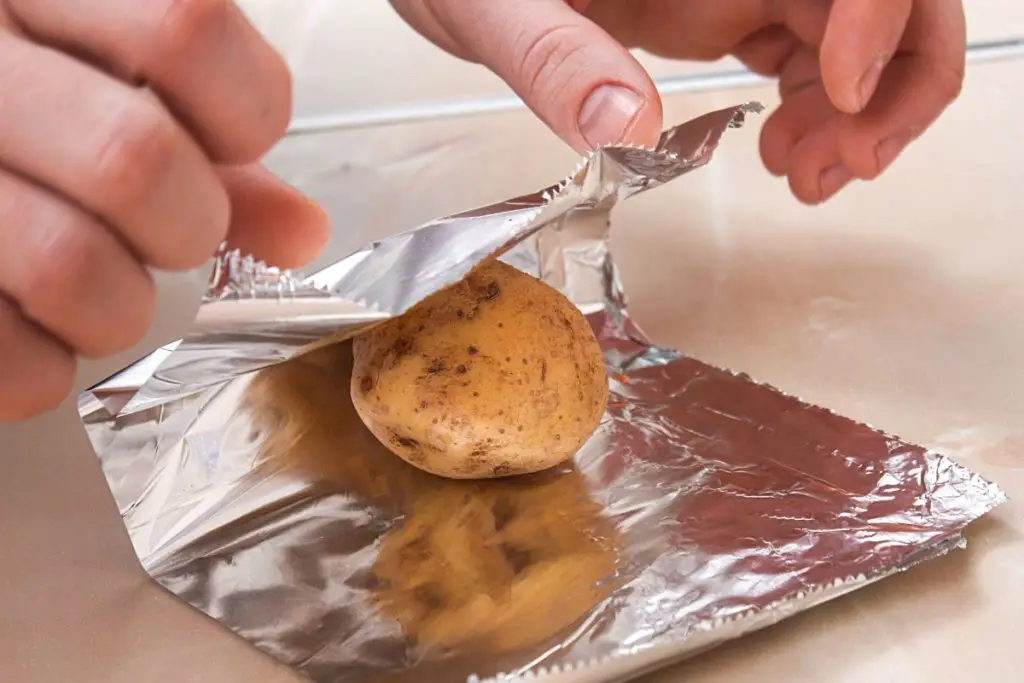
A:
[(254, 315)]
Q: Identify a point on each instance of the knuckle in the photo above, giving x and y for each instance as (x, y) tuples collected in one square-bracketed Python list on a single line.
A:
[(78, 282), (139, 146), (184, 24), (60, 268), (547, 61)]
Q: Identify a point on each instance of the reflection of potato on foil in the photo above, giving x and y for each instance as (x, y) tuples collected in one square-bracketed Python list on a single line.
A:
[(499, 565), (503, 564), (309, 428)]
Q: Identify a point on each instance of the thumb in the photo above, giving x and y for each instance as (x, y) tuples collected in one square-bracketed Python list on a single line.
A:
[(582, 82)]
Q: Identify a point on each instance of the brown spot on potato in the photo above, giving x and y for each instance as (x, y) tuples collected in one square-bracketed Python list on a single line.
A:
[(402, 346), (492, 291), (434, 396), (402, 441)]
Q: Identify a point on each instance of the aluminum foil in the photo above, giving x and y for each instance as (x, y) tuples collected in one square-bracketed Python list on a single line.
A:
[(705, 506)]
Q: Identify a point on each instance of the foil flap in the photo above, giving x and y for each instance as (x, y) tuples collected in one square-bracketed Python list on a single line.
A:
[(705, 506), (254, 316)]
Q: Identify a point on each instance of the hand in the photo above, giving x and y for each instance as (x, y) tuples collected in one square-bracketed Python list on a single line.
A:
[(859, 79), (128, 131)]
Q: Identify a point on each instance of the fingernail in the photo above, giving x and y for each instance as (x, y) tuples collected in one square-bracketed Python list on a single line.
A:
[(869, 80), (833, 179), (608, 115), (890, 148)]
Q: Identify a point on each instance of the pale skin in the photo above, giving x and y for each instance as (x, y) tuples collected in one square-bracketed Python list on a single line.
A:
[(118, 152)]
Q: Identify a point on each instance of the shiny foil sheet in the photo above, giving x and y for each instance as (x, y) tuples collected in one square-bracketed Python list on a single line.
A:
[(704, 507)]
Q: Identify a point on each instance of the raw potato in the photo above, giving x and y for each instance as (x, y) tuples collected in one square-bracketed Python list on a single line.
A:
[(497, 375)]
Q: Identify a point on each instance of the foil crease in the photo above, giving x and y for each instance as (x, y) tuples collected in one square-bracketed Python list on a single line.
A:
[(705, 506)]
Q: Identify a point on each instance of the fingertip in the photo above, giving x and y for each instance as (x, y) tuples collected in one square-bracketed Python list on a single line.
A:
[(37, 372), (272, 221), (618, 114), (649, 124), (582, 82), (859, 41), (804, 188), (816, 171)]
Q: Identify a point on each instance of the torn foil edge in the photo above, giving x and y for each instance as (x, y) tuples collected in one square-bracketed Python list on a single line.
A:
[(254, 316)]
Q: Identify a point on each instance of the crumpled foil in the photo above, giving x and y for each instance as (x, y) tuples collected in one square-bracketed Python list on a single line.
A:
[(705, 506)]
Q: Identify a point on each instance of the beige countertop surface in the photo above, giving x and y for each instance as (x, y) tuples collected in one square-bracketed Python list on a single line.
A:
[(901, 303)]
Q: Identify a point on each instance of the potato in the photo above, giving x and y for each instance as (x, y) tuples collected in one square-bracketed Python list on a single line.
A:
[(497, 375)]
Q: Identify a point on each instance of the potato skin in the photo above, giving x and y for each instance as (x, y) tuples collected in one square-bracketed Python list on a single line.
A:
[(497, 375)]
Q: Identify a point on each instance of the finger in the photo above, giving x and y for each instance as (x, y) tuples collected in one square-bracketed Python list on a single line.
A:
[(204, 58), (815, 169), (272, 221), (920, 82), (768, 51), (36, 371), (861, 38), (68, 273), (805, 106), (584, 84), (685, 29), (806, 19), (116, 153)]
